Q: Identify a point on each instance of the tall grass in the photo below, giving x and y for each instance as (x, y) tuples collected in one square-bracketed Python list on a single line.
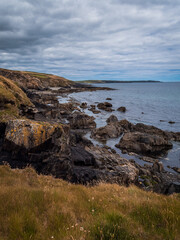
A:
[(41, 207)]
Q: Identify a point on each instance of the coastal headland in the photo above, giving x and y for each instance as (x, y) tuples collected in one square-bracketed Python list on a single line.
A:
[(37, 130), (57, 184)]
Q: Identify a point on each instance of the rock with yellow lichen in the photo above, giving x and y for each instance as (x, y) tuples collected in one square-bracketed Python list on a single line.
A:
[(29, 135)]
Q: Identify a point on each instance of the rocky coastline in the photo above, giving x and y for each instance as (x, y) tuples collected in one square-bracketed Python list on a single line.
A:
[(50, 136)]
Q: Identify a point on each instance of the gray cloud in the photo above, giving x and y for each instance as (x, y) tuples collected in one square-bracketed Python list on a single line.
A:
[(82, 39)]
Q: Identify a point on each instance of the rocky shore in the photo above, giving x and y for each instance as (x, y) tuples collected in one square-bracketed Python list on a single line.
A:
[(51, 137)]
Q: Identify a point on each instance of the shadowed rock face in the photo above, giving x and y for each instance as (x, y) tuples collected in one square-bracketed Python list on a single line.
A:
[(144, 143)]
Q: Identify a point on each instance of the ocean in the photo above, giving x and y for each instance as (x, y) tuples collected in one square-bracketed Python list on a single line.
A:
[(149, 103)]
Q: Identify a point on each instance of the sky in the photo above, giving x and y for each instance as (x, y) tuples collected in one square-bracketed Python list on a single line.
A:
[(92, 39)]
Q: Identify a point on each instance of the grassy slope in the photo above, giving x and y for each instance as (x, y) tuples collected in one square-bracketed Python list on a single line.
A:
[(11, 97), (29, 79), (41, 207)]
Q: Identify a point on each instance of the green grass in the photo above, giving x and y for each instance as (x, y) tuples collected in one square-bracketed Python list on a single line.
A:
[(40, 207)]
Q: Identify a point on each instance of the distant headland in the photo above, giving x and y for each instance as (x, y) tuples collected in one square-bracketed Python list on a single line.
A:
[(114, 81)]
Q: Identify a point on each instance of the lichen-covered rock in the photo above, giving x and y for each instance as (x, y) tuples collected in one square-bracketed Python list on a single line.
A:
[(144, 143), (26, 134)]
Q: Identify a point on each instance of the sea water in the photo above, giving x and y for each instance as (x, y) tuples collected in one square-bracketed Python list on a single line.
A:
[(149, 103)]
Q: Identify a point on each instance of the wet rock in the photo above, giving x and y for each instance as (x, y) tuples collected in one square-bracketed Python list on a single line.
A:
[(109, 99), (105, 106), (148, 159), (128, 126), (112, 119), (121, 109), (171, 122), (82, 121), (176, 169), (144, 143), (158, 166), (93, 109), (111, 130), (83, 105)]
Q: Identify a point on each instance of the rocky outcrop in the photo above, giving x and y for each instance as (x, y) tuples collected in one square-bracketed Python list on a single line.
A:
[(30, 136), (121, 109), (83, 105), (109, 131), (112, 119), (106, 106), (32, 80), (82, 121), (144, 143)]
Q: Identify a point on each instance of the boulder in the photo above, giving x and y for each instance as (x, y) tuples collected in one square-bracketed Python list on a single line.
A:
[(126, 125), (105, 106), (83, 105), (121, 109), (112, 119), (111, 130), (82, 121), (144, 143), (30, 135)]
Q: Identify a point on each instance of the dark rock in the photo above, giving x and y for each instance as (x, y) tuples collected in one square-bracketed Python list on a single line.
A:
[(128, 126), (171, 122), (121, 109), (109, 99), (111, 130), (105, 106), (112, 119), (144, 143), (176, 169), (83, 105), (82, 121), (158, 167)]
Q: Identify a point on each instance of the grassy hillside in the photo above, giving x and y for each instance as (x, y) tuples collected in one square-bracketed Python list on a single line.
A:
[(11, 97), (33, 80), (41, 207)]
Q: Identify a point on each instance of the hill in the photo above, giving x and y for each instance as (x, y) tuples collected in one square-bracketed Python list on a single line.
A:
[(42, 207), (33, 80), (11, 99)]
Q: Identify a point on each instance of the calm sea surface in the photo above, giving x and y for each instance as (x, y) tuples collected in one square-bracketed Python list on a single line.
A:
[(149, 103)]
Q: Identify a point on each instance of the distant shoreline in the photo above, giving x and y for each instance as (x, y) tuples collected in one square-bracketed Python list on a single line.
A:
[(114, 81)]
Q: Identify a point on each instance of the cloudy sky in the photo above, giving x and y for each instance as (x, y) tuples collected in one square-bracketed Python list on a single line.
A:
[(92, 39)]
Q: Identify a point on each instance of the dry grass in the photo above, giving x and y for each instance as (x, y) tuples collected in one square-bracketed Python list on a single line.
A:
[(11, 97), (41, 207)]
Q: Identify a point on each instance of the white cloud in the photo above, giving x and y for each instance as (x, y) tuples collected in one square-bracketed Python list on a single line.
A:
[(84, 39)]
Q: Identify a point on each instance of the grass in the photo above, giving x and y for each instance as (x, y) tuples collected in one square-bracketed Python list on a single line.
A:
[(40, 207), (11, 97)]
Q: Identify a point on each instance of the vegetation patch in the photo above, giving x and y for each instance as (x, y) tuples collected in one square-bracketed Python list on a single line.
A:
[(41, 207), (11, 98)]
